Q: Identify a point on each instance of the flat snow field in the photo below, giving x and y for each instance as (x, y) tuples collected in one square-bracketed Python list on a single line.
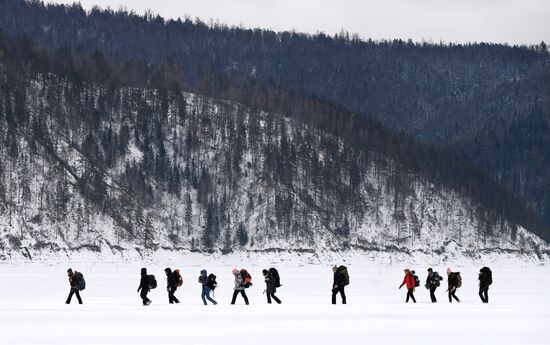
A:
[(32, 308)]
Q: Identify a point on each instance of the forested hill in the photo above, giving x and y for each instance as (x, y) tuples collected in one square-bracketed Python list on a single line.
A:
[(488, 103), (111, 157)]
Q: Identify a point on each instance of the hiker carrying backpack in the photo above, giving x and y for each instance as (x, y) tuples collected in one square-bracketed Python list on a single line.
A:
[(145, 285), (240, 278), (272, 282), (208, 283), (485, 280), (341, 280), (454, 282), (77, 283)]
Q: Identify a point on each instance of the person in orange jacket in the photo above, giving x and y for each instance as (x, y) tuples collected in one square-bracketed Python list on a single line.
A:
[(409, 281)]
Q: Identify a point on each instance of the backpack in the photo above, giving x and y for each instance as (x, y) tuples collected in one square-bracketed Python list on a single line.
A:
[(436, 279), (343, 271), (416, 280), (80, 282), (458, 279), (487, 275), (212, 283), (275, 276), (151, 282), (178, 278), (247, 279)]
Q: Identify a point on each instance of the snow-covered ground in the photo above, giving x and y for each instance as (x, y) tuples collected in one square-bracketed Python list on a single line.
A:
[(32, 309)]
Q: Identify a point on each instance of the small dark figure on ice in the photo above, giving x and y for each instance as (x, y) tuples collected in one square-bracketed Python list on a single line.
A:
[(433, 281), (208, 283), (77, 283), (340, 281), (454, 281), (146, 283), (485, 279), (272, 282), (173, 281)]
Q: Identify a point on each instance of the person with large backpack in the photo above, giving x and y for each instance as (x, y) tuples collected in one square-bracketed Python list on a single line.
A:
[(410, 282), (454, 281), (172, 282), (433, 281), (240, 284), (272, 282), (145, 285), (340, 281), (77, 283), (485, 279), (208, 283)]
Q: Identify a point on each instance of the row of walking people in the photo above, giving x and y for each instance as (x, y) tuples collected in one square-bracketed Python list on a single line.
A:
[(454, 282), (174, 280), (243, 280)]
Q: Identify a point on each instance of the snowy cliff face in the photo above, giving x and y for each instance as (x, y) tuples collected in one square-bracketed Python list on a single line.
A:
[(117, 170)]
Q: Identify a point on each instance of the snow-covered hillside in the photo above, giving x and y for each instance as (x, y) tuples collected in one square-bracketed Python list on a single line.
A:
[(125, 172)]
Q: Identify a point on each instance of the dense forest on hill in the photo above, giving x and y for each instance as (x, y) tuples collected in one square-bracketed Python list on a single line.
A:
[(99, 153), (487, 103)]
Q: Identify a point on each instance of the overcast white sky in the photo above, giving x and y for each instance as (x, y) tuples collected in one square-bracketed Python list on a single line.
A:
[(511, 21)]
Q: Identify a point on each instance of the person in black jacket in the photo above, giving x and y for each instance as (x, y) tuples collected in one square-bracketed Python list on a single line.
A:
[(271, 287), (454, 282), (74, 287), (338, 286), (433, 281), (144, 287), (485, 279), (172, 286)]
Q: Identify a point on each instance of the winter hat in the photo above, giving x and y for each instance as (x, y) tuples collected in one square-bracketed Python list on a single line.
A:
[(144, 270), (449, 271), (265, 272), (70, 271), (235, 271), (430, 270), (168, 270), (335, 268), (203, 273)]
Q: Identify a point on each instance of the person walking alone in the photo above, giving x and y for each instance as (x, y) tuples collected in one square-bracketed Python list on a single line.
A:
[(409, 281)]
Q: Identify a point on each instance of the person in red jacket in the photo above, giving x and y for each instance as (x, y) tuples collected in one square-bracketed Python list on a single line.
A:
[(409, 281)]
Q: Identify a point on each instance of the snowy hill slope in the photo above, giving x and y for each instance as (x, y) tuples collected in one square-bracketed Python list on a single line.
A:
[(116, 170)]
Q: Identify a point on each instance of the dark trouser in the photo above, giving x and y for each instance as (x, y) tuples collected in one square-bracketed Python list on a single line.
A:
[(171, 297), (432, 294), (143, 295), (206, 295), (272, 295), (75, 292), (410, 294), (342, 294), (484, 294), (235, 293), (452, 294)]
